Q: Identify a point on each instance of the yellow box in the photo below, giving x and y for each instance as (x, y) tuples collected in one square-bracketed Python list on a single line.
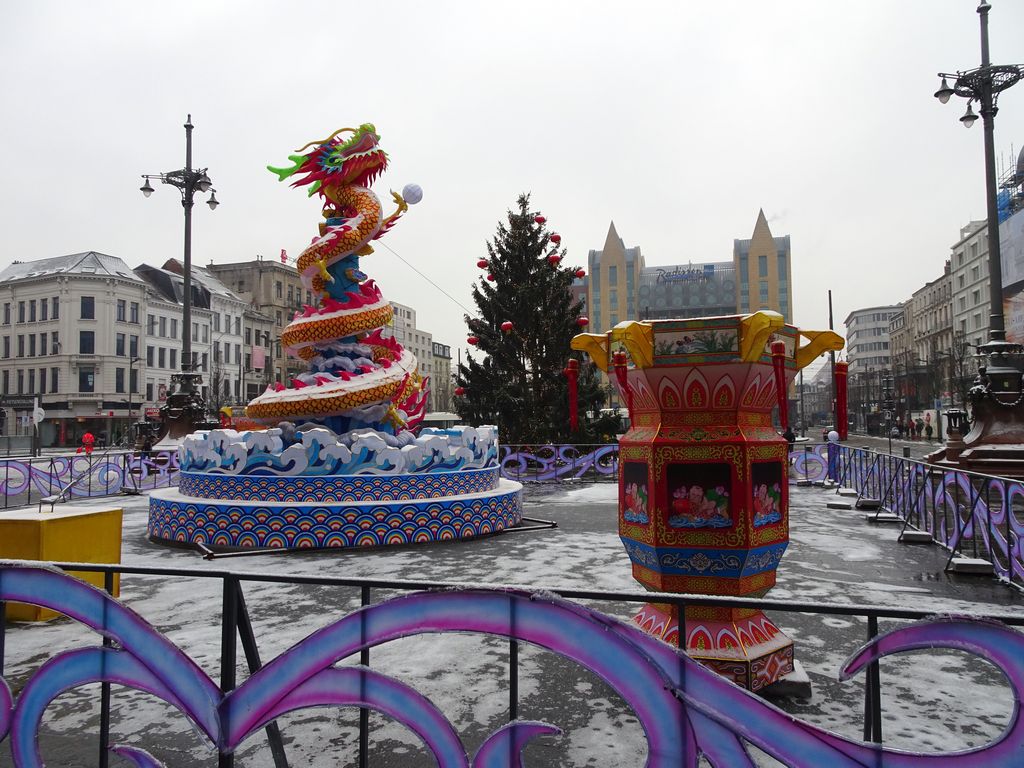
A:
[(64, 535)]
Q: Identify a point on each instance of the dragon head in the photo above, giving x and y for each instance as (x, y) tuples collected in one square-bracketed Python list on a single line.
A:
[(337, 161)]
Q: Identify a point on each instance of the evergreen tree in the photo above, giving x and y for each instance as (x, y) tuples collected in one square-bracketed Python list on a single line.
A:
[(518, 382)]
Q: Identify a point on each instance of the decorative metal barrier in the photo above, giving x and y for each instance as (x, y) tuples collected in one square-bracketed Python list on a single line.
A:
[(552, 463), (25, 481), (970, 514), (684, 709)]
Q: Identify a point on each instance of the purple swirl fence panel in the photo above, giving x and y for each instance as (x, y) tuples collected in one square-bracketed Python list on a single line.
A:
[(686, 710), (27, 481), (970, 514), (552, 463)]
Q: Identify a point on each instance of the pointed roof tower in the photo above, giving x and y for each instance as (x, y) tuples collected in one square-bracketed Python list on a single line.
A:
[(613, 243)]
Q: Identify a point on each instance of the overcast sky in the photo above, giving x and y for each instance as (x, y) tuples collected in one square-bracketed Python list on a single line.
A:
[(676, 120)]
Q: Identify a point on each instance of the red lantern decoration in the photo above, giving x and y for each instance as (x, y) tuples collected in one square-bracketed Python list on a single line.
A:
[(538, 219), (581, 273), (491, 278), (507, 326), (555, 237), (553, 259), (472, 340), (460, 391), (583, 322), (483, 264)]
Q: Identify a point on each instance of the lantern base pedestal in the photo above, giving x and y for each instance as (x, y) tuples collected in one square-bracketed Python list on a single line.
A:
[(740, 644)]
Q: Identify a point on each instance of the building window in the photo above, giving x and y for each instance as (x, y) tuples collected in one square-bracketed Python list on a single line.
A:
[(133, 346), (174, 360), (122, 310), (613, 275), (149, 391), (161, 358), (163, 328), (174, 327), (150, 352), (119, 345), (31, 345), (56, 308), (133, 380), (21, 311), (21, 382), (119, 379), (54, 374), (88, 305), (238, 326), (216, 322), (44, 309), (278, 289), (7, 313), (32, 311), (151, 325), (54, 344), (762, 266), (31, 381), (133, 313), (7, 346), (86, 380), (86, 342)]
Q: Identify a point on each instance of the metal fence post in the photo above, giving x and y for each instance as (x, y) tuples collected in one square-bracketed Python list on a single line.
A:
[(873, 692), (104, 756), (364, 713), (228, 650)]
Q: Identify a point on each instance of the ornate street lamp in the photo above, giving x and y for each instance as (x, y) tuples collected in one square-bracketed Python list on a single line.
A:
[(185, 408), (996, 397)]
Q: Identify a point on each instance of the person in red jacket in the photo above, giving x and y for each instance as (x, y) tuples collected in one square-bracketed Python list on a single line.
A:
[(87, 443)]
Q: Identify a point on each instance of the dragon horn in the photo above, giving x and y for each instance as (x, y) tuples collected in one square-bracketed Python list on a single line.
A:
[(284, 173), (324, 141)]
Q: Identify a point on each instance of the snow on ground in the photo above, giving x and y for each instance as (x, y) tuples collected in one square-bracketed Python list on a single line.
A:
[(932, 702)]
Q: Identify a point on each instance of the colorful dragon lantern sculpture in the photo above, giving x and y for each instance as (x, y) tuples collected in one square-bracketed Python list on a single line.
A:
[(357, 376), (342, 460)]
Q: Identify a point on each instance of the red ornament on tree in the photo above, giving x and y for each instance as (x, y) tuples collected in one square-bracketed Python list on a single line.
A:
[(460, 391), (491, 278), (483, 264), (581, 273), (583, 321), (538, 219), (472, 340), (553, 259), (555, 237), (507, 326)]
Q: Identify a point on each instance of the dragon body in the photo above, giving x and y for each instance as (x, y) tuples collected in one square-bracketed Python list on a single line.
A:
[(357, 377)]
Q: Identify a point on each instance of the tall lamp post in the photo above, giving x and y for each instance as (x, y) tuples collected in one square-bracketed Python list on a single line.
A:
[(187, 408), (131, 403), (998, 418)]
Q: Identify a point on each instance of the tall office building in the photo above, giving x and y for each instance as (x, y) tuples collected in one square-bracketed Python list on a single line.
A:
[(613, 277), (763, 271)]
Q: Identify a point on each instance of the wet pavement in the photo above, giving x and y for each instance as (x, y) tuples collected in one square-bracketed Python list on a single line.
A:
[(935, 701)]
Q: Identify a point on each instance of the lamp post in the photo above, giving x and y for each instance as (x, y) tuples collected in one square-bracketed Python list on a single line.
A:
[(187, 180), (983, 85), (131, 404), (184, 409)]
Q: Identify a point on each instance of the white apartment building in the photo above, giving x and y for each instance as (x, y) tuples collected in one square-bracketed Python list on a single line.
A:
[(403, 328), (867, 338), (931, 319), (71, 327), (441, 388), (970, 284)]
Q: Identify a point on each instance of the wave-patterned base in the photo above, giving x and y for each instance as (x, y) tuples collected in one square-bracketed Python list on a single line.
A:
[(230, 524), (329, 489)]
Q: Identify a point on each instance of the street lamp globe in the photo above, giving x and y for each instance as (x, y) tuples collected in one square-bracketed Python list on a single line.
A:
[(944, 92), (969, 117), (146, 189), (213, 202)]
